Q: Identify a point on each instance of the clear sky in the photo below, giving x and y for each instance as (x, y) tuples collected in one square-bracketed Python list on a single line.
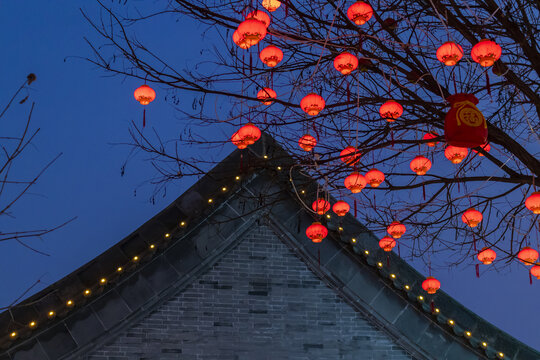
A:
[(81, 112)]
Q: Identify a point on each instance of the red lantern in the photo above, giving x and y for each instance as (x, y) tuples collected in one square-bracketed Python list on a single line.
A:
[(341, 208), (316, 232), (320, 206), (535, 271), (350, 155), (236, 140), (449, 53), (533, 202), (486, 52), (431, 285), (528, 256), (312, 104), (472, 217), (252, 31), (455, 154), (259, 15), (271, 5), (396, 229), (391, 110), (355, 182), (249, 133), (486, 148), (144, 94), (265, 95), (387, 243), (360, 12), (345, 63), (239, 40), (307, 142), (374, 177), (487, 256), (420, 165), (464, 124), (271, 55), (429, 136)]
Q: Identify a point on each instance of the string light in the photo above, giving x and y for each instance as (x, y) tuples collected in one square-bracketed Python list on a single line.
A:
[(340, 228), (501, 355), (265, 156), (380, 264), (437, 310), (13, 335), (51, 314), (182, 223), (237, 178), (393, 276), (119, 269), (87, 292), (407, 287), (328, 216), (102, 281), (303, 191), (279, 167), (167, 235), (484, 344), (468, 334), (353, 240), (210, 201), (135, 258), (224, 189), (70, 303), (32, 324), (366, 252), (420, 298), (451, 322)]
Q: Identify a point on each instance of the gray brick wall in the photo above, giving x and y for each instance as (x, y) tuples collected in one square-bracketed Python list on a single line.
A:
[(259, 302)]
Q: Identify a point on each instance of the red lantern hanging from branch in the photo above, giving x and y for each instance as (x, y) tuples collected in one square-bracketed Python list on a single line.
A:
[(307, 142), (429, 136), (449, 53), (486, 148), (391, 110), (271, 55), (252, 31), (249, 133), (341, 208), (271, 5), (261, 16), (236, 140), (464, 124), (346, 63), (355, 182), (144, 94), (360, 12), (535, 271), (316, 232), (528, 256), (374, 177), (533, 202), (350, 155), (396, 229), (240, 41), (472, 217), (387, 243), (431, 285), (486, 52), (455, 154), (320, 206), (420, 165), (312, 104), (486, 256), (266, 95)]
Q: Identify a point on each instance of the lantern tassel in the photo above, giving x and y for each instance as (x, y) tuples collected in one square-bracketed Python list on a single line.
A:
[(355, 208), (530, 278), (432, 306), (388, 260), (474, 243), (424, 190), (398, 250), (250, 64), (488, 86), (319, 256), (144, 117), (241, 158), (477, 266)]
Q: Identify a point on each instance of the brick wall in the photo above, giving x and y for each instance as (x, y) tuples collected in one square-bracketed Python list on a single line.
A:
[(259, 302)]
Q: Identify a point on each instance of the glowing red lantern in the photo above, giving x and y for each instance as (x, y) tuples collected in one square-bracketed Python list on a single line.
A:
[(464, 124), (265, 95), (316, 232), (391, 110), (431, 285), (396, 229), (486, 52), (346, 63), (387, 243), (239, 40), (312, 104), (420, 165), (236, 140), (259, 15), (455, 154), (429, 136), (307, 142), (374, 177), (252, 31), (144, 94), (341, 208), (533, 202), (271, 55), (249, 133), (535, 271), (486, 148), (487, 256), (271, 5), (350, 155), (355, 182), (360, 12), (320, 206), (528, 256), (472, 217), (449, 53)]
